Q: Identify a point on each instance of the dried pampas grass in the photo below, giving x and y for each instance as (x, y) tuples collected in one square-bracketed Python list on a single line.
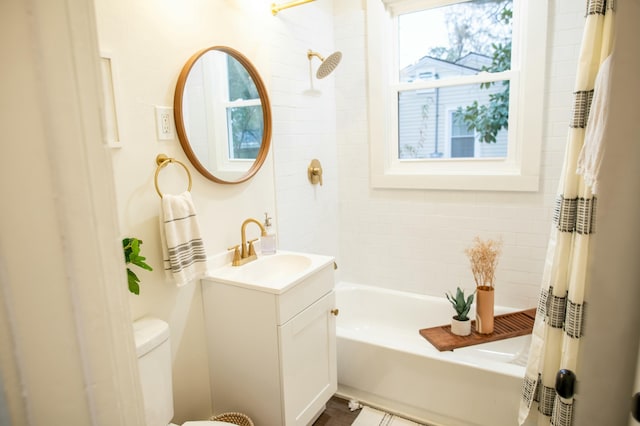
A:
[(483, 256)]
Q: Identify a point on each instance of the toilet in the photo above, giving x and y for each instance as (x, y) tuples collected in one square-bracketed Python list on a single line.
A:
[(154, 361)]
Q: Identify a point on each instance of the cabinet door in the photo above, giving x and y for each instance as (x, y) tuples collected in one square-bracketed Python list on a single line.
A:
[(308, 361)]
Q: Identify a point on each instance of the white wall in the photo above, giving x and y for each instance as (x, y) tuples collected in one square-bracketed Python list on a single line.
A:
[(413, 240), (408, 240), (305, 128), (150, 41)]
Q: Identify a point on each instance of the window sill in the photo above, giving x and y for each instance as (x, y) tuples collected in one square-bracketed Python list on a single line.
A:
[(457, 181)]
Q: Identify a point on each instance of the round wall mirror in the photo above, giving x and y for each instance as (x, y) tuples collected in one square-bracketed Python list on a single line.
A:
[(223, 115)]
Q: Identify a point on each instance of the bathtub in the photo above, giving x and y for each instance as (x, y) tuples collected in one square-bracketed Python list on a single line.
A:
[(384, 362)]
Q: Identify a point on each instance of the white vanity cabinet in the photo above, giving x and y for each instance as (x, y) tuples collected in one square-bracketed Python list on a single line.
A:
[(272, 352)]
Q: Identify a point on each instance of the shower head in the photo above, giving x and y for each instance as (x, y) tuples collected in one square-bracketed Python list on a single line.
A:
[(328, 64)]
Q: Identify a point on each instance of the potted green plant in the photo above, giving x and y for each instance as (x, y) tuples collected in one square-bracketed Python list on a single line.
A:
[(460, 323), (131, 248)]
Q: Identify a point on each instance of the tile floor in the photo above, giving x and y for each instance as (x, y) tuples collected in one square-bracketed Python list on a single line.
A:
[(337, 414)]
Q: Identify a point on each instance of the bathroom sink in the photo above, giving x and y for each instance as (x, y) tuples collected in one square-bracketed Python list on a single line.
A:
[(275, 273), (276, 267)]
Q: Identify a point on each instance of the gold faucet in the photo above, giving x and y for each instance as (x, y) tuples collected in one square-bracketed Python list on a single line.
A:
[(247, 253)]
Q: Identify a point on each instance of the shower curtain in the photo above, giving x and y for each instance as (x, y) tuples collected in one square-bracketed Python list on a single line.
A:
[(559, 318)]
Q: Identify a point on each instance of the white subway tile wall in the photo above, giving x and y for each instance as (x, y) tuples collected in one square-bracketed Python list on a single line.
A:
[(304, 129), (411, 240)]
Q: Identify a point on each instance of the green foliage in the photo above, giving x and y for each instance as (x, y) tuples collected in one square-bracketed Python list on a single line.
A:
[(246, 121), (131, 247), (460, 304), (489, 119)]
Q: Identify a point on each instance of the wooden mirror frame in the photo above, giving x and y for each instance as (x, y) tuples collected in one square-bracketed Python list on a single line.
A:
[(266, 114)]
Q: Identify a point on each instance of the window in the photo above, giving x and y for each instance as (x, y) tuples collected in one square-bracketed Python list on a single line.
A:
[(462, 139), (448, 80), (223, 104), (243, 113)]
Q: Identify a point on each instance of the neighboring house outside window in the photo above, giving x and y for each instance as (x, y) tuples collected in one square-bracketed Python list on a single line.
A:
[(425, 127), (420, 130)]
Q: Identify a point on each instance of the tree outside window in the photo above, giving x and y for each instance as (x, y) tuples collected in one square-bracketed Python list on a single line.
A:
[(450, 42), (244, 118)]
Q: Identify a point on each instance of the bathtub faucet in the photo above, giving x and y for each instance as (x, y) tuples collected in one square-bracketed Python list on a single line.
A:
[(247, 253)]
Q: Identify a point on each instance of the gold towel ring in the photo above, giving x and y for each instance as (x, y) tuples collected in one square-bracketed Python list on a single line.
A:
[(162, 160)]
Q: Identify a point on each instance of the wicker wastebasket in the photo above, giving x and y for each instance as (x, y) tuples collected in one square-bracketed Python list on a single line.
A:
[(234, 418)]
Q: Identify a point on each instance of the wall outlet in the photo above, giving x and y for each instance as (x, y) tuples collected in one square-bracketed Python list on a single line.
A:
[(165, 126)]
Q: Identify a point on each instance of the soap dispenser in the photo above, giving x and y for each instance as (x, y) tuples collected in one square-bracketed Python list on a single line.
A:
[(268, 242)]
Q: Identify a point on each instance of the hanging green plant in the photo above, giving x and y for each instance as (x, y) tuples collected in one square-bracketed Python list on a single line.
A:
[(131, 247)]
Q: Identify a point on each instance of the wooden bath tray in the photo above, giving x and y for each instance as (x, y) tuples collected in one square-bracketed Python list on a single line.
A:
[(505, 326)]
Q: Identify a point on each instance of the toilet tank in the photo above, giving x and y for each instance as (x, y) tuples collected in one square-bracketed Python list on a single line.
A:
[(154, 362)]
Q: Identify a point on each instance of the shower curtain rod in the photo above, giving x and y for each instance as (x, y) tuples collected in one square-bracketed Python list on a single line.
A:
[(275, 8)]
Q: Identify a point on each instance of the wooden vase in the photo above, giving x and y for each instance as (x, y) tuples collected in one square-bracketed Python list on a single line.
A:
[(484, 309)]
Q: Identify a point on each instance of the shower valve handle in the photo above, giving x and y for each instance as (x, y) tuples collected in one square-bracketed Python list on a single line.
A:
[(314, 172)]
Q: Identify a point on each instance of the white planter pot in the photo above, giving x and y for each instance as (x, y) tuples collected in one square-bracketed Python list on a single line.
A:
[(460, 328)]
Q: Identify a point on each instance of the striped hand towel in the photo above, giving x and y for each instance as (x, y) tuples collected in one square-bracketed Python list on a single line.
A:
[(183, 252)]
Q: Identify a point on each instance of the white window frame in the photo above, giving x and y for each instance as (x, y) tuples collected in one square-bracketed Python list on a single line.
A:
[(520, 170)]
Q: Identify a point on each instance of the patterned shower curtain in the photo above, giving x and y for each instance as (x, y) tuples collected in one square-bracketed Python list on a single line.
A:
[(561, 307)]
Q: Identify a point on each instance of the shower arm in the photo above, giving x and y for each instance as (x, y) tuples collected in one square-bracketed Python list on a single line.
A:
[(275, 8), (311, 54)]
